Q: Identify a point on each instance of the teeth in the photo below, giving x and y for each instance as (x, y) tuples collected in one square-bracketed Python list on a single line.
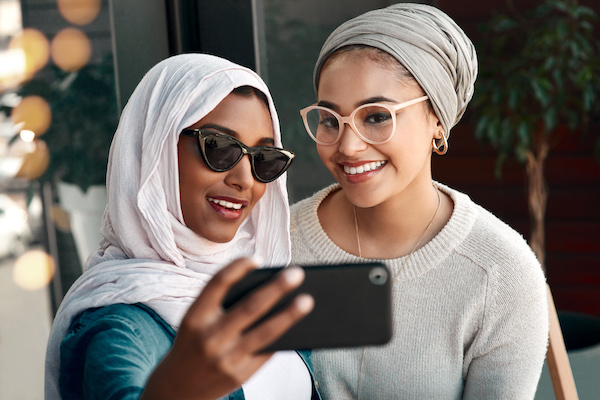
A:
[(226, 204), (363, 168)]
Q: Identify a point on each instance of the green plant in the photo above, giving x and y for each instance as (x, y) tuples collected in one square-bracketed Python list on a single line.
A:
[(539, 71), (84, 119)]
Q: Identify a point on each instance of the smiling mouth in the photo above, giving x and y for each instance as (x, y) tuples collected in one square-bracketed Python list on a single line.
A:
[(372, 166), (226, 204)]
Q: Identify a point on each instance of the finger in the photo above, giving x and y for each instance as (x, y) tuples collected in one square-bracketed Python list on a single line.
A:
[(273, 328), (252, 307), (208, 304), (262, 299)]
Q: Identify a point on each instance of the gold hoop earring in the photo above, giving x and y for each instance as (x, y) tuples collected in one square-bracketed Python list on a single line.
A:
[(440, 150)]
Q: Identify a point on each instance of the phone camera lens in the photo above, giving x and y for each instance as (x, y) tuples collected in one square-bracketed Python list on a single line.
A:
[(378, 276)]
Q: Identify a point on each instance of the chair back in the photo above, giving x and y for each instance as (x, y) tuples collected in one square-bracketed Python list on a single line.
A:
[(557, 358)]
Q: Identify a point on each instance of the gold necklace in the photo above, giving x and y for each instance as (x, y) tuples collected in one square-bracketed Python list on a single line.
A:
[(362, 359), (416, 245)]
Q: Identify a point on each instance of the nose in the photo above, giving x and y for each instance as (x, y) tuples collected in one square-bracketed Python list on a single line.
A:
[(350, 143), (241, 176)]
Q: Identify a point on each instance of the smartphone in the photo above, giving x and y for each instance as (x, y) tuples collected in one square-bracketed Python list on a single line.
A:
[(352, 306)]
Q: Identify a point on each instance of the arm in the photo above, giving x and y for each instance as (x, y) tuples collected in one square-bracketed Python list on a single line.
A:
[(109, 352), (213, 354), (510, 348)]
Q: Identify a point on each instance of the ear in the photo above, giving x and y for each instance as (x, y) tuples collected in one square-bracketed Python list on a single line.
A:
[(439, 130), (436, 126)]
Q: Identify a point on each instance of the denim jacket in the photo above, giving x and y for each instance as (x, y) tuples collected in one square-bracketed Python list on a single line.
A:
[(129, 342)]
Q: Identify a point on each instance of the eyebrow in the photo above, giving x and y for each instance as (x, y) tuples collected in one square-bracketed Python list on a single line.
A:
[(375, 99), (265, 140)]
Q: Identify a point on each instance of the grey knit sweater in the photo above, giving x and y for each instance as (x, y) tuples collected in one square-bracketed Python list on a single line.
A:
[(470, 313)]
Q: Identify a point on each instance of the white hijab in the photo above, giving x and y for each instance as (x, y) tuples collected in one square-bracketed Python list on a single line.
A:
[(148, 255)]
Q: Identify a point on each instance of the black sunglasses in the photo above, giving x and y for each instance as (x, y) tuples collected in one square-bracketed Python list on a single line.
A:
[(222, 152)]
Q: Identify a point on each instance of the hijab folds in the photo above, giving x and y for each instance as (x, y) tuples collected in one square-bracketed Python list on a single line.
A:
[(148, 254)]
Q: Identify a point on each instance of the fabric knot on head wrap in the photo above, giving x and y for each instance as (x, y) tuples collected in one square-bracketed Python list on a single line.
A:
[(427, 42)]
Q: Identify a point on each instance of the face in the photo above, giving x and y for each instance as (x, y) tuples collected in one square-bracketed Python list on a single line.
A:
[(214, 204), (350, 80)]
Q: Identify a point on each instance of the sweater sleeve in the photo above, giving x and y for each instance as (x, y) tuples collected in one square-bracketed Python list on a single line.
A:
[(508, 355), (110, 352)]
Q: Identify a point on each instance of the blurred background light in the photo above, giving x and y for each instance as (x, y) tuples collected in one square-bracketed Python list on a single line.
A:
[(13, 66), (27, 135), (71, 49), (33, 270), (35, 46), (35, 162), (34, 113), (11, 20), (79, 12)]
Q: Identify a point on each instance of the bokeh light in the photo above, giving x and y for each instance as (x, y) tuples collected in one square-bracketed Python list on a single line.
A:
[(36, 48), (33, 270), (36, 162), (34, 113), (27, 135), (61, 218), (79, 12), (12, 68), (71, 49)]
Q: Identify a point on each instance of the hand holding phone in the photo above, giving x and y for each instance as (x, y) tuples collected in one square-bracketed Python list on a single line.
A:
[(352, 306), (214, 351)]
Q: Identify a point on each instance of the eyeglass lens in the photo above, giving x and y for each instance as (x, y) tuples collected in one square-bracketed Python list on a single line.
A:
[(223, 152), (374, 123)]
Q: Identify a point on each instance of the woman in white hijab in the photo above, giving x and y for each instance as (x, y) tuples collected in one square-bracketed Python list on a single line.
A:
[(185, 204), (469, 297)]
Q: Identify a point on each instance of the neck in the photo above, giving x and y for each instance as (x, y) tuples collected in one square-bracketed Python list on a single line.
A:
[(394, 229)]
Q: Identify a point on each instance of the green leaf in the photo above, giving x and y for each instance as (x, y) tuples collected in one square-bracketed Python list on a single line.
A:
[(541, 88), (550, 119)]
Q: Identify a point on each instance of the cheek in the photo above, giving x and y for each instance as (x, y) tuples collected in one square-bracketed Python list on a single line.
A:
[(326, 152), (258, 191)]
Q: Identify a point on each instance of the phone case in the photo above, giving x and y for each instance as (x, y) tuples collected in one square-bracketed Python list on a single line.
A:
[(352, 306)]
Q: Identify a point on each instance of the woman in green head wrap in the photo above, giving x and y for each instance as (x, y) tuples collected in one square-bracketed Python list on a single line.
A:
[(469, 299)]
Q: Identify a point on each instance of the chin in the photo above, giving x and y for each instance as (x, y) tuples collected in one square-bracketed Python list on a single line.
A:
[(223, 240), (217, 235), (221, 237)]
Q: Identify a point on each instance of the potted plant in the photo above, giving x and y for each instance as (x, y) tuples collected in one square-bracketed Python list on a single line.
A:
[(539, 75), (84, 119)]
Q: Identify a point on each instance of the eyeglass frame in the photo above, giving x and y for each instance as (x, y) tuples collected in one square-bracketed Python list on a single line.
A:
[(246, 150), (350, 119)]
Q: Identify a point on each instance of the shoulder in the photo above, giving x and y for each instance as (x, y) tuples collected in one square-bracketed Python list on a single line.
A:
[(495, 242), (127, 322), (103, 343), (503, 253), (483, 237), (117, 315)]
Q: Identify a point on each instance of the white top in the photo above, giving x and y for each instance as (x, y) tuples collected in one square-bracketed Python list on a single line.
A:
[(470, 313), (284, 376)]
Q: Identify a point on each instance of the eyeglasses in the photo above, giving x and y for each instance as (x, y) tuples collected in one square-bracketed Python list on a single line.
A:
[(375, 123), (222, 152)]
